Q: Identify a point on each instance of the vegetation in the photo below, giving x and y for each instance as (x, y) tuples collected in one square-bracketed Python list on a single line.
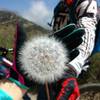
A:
[(8, 22)]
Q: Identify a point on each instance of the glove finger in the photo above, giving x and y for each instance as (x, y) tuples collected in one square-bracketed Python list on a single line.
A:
[(74, 44), (64, 31), (76, 33), (74, 53)]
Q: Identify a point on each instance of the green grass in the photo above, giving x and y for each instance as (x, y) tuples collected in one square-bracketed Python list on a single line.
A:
[(6, 36)]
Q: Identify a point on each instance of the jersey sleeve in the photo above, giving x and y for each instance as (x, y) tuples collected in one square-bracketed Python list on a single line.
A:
[(86, 18), (86, 12)]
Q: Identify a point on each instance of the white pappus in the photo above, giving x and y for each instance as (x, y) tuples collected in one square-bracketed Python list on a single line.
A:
[(43, 58)]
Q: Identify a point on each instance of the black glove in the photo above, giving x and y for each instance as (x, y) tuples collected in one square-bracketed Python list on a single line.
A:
[(71, 37)]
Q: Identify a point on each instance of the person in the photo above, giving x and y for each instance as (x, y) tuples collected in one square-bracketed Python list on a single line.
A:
[(67, 88), (83, 13)]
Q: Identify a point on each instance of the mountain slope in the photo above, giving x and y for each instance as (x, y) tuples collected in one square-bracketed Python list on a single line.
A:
[(8, 22)]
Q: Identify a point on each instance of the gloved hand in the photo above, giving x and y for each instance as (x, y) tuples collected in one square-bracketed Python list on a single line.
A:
[(71, 37), (69, 87)]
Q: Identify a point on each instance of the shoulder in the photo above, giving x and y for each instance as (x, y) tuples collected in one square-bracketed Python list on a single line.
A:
[(82, 1), (87, 5), (86, 8)]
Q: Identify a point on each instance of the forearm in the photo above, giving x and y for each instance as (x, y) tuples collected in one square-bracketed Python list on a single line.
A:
[(87, 45), (87, 21)]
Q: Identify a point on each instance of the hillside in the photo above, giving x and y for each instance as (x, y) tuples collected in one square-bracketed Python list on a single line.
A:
[(8, 22)]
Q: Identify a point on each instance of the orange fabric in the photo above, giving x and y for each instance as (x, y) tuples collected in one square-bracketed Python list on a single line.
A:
[(69, 2)]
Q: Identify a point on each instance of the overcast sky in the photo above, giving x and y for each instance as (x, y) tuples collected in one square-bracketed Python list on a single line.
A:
[(38, 11)]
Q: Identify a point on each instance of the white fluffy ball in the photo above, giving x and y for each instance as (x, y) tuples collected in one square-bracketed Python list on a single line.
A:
[(43, 59)]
